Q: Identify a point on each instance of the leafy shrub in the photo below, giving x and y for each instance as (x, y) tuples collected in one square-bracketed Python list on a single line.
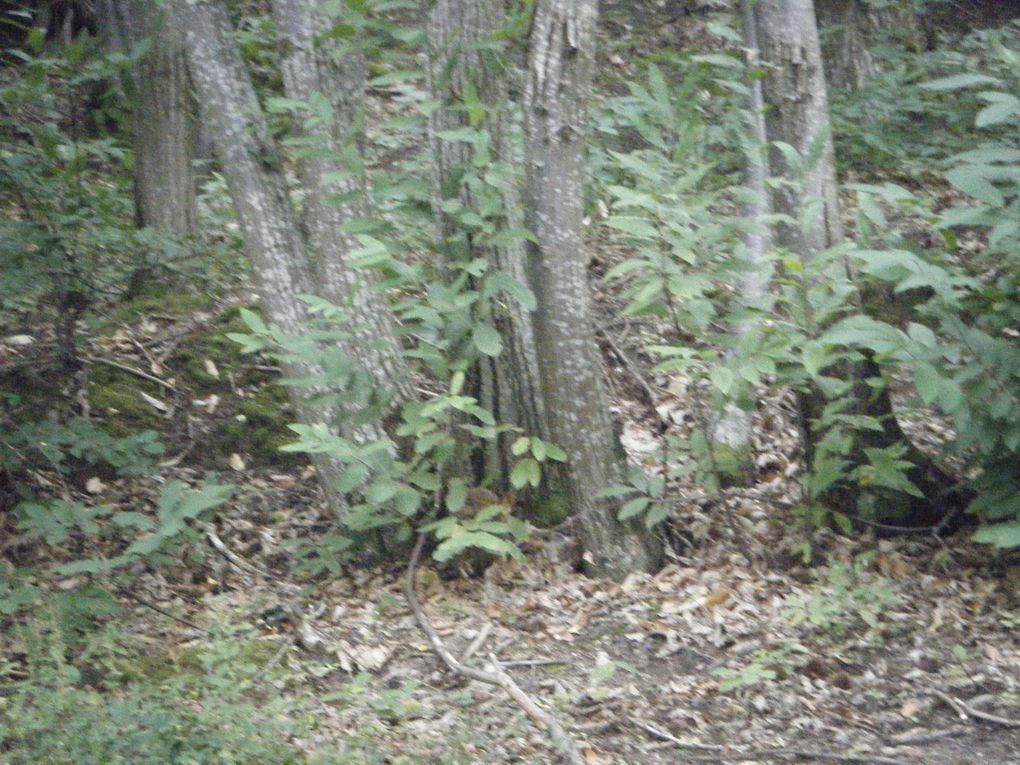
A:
[(204, 715)]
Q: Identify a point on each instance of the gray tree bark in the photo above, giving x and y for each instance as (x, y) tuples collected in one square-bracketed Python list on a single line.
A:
[(850, 28), (163, 119), (457, 29), (794, 90), (560, 67), (253, 170), (313, 69), (797, 114), (732, 428)]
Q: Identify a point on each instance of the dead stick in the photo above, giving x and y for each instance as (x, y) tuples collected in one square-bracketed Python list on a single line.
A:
[(560, 740), (965, 711), (143, 602), (761, 754), (661, 734), (926, 738), (131, 370)]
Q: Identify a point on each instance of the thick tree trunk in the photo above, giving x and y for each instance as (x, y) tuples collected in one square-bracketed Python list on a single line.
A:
[(252, 167), (163, 118), (459, 62), (794, 90), (732, 429), (560, 65), (313, 70)]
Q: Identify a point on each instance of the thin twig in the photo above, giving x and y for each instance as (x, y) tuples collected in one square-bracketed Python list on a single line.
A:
[(479, 641), (131, 370), (559, 737), (231, 556), (143, 602), (277, 658), (534, 663), (964, 710), (663, 735), (649, 394)]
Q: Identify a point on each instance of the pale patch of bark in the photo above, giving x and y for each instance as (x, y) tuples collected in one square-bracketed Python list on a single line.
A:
[(559, 78)]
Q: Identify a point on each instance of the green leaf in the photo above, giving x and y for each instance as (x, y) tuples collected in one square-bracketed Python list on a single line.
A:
[(723, 379), (487, 339), (520, 446), (928, 382), (381, 491), (633, 507), (958, 81), (449, 548), (970, 180), (1001, 535), (456, 495), (555, 453)]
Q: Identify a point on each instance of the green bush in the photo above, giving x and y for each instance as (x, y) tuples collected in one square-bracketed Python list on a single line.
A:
[(205, 715)]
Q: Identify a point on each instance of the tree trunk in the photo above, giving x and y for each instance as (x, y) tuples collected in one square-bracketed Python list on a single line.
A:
[(560, 66), (850, 28), (794, 90), (254, 174), (732, 428), (844, 34), (164, 124), (313, 70), (459, 62)]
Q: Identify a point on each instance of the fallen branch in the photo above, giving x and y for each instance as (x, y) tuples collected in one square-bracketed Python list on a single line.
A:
[(925, 738), (497, 676), (807, 754), (761, 754), (964, 711)]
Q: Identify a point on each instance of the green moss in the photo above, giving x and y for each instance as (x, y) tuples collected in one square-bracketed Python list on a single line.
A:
[(735, 466), (213, 345), (549, 509), (156, 303), (260, 427), (115, 395)]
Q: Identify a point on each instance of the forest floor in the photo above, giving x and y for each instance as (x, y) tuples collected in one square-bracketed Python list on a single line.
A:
[(899, 650)]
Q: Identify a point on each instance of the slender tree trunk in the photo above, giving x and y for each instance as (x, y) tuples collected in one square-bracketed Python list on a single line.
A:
[(252, 167), (559, 79), (163, 114), (794, 90), (164, 126), (313, 70), (459, 62), (732, 429)]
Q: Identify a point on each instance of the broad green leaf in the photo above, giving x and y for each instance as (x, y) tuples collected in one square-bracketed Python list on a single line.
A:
[(958, 81), (970, 180), (487, 339), (633, 507)]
